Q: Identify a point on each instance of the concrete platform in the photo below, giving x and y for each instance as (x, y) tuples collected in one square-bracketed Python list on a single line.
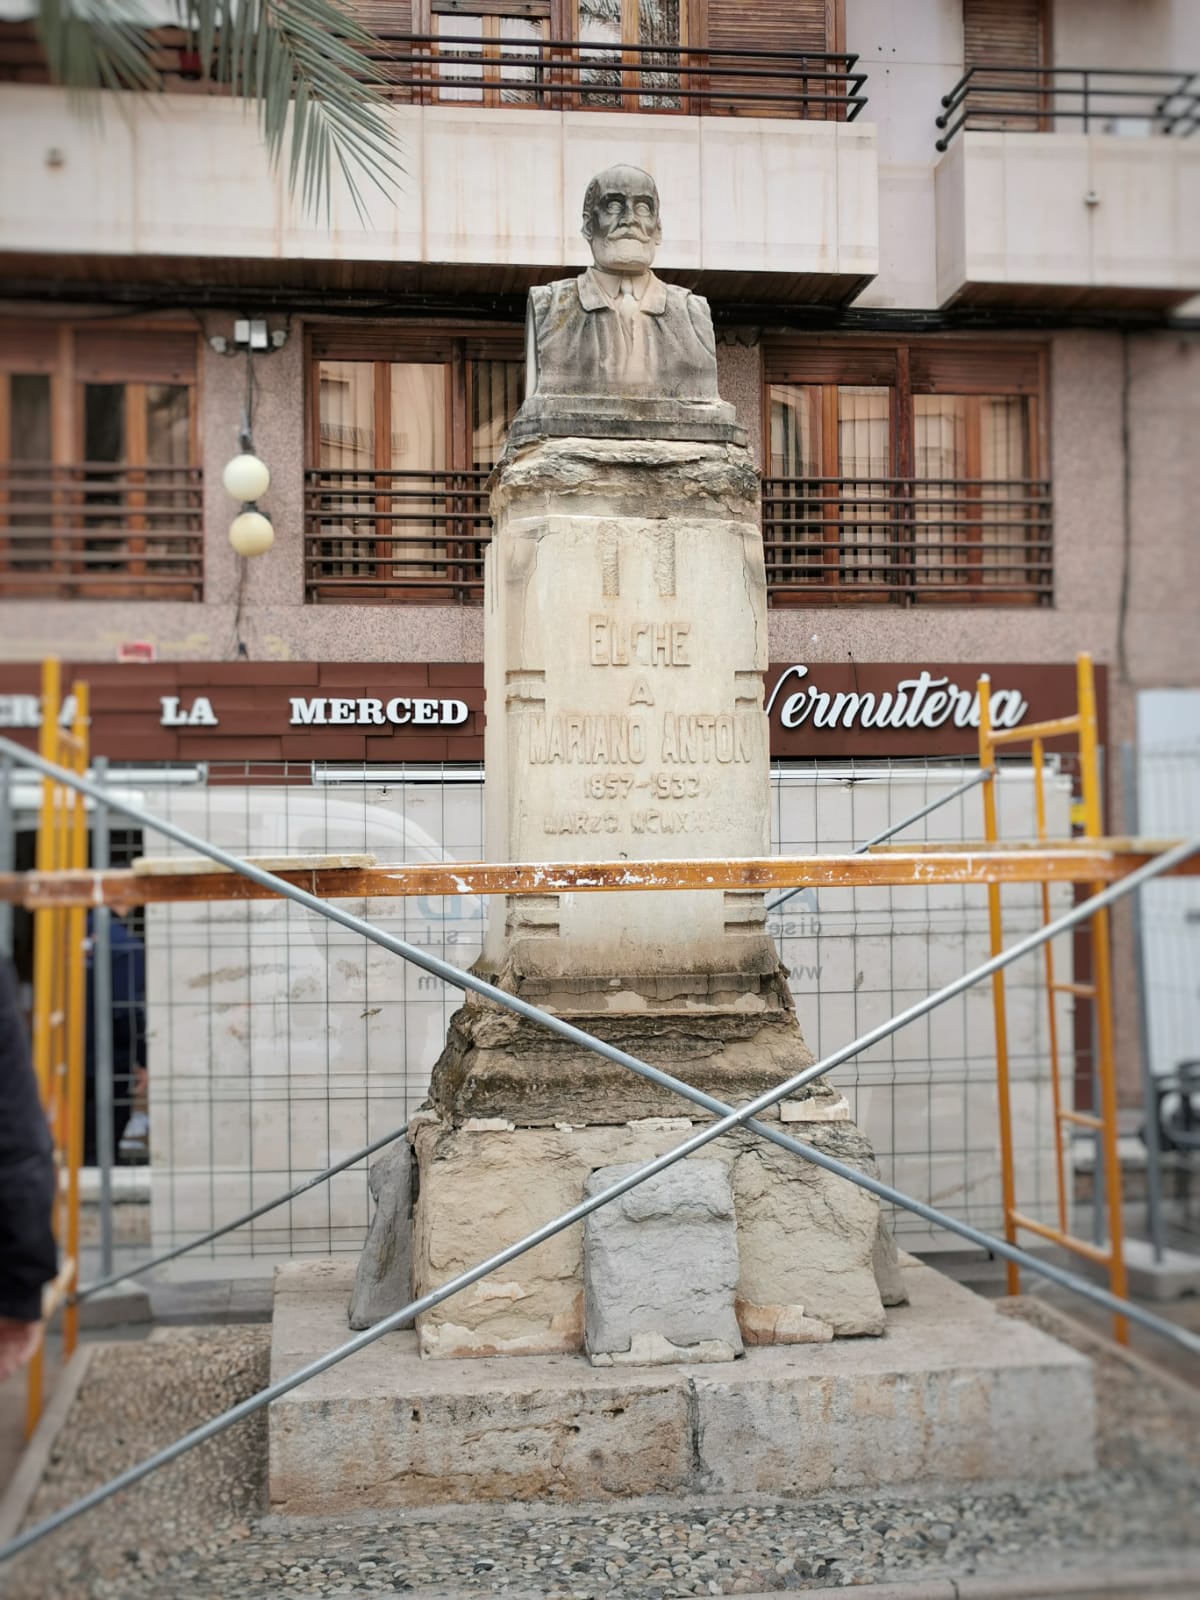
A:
[(1172, 1277), (952, 1392)]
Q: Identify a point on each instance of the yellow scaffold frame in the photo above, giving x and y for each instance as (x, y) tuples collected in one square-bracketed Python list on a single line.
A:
[(1083, 724), (59, 997)]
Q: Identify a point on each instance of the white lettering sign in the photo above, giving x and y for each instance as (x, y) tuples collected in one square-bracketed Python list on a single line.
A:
[(920, 702), (20, 711), (173, 713), (322, 711), (25, 711)]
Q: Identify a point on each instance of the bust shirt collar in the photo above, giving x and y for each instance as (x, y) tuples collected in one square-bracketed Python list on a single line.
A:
[(593, 298)]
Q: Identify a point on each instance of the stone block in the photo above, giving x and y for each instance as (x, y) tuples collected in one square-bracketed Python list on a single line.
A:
[(806, 1240), (885, 1261), (498, 1065), (383, 1282), (660, 1268), (953, 1394)]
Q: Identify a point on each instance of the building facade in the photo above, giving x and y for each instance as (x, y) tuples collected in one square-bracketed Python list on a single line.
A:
[(952, 250)]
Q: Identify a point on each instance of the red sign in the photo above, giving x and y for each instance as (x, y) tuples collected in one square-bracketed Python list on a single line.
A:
[(366, 711), (865, 709)]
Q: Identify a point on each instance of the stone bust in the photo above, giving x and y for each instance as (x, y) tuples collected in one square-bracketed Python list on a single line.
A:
[(617, 352)]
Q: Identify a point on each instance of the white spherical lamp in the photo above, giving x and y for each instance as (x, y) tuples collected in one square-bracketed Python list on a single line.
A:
[(251, 533), (246, 478)]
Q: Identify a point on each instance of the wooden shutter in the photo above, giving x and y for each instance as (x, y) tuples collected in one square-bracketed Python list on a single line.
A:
[(771, 25), (999, 34), (28, 347), (109, 355), (372, 342), (1003, 33), (384, 17), (967, 369), (800, 361)]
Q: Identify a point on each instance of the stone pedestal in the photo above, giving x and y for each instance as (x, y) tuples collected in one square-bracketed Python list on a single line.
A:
[(625, 640), (955, 1393), (624, 649)]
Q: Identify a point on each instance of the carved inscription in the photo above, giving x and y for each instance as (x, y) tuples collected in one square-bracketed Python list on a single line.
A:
[(646, 643), (651, 820), (570, 737), (577, 739), (642, 755), (705, 738)]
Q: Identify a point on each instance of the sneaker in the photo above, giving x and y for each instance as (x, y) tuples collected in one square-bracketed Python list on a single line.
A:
[(134, 1144)]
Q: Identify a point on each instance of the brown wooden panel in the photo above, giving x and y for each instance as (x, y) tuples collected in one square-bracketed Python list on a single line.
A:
[(111, 355), (768, 25), (388, 343), (372, 678), (1003, 33), (386, 18), (791, 25), (800, 361), (975, 369), (28, 346)]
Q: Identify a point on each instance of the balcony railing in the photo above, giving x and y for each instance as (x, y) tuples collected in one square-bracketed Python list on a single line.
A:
[(100, 531), (395, 535), (385, 536), (947, 541), (561, 74), (1079, 99)]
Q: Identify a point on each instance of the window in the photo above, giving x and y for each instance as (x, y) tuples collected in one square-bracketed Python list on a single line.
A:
[(402, 444), (634, 45), (99, 489), (907, 473), (681, 56), (489, 51)]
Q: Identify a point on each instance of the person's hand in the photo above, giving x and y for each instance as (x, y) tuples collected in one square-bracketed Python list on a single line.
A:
[(18, 1341)]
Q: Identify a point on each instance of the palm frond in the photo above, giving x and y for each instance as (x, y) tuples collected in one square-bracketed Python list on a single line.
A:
[(96, 44), (303, 64)]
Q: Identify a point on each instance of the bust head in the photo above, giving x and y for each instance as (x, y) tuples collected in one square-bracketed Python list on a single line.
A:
[(621, 220)]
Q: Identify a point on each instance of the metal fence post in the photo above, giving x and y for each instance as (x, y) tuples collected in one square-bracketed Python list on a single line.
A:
[(102, 1024), (1154, 1220), (8, 850)]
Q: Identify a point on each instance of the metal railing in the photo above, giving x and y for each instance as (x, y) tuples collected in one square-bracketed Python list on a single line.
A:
[(388, 535), (1081, 99), (911, 540), (99, 530), (385, 535), (727, 1120), (585, 75)]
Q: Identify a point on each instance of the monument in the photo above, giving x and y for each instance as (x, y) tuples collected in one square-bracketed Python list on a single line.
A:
[(625, 641)]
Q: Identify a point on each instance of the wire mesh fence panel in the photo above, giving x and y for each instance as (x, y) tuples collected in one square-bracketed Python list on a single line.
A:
[(279, 1042), (926, 1098), (276, 1043), (1168, 806)]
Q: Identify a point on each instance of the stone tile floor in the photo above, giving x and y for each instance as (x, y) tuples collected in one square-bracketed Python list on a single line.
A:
[(194, 1530)]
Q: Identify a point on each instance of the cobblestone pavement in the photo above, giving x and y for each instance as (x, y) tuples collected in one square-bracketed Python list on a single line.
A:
[(194, 1531)]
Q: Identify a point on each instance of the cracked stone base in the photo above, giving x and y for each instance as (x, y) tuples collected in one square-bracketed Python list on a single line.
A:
[(954, 1393), (807, 1242)]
